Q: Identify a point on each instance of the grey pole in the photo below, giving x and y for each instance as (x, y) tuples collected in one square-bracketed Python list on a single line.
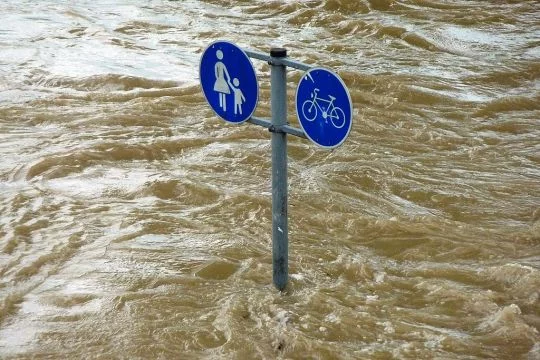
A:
[(280, 236)]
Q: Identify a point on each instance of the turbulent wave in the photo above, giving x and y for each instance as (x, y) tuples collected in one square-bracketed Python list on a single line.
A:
[(135, 223), (510, 103), (106, 82)]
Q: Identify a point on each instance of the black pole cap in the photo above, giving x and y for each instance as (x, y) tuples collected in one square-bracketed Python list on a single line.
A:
[(278, 52)]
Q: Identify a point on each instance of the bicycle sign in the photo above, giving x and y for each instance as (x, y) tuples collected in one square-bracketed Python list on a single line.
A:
[(324, 107), (311, 108)]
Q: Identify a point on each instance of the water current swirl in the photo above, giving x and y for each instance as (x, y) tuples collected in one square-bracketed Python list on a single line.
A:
[(136, 224)]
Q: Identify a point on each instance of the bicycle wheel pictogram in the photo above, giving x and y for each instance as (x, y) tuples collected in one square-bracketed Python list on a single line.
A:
[(309, 110), (337, 117)]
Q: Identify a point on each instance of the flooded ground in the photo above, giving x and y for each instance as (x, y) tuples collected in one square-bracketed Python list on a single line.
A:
[(136, 224)]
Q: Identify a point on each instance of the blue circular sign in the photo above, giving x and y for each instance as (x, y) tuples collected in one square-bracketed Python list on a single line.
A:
[(228, 81), (324, 107)]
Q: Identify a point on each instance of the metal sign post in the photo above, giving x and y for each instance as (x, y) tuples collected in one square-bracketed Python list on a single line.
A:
[(280, 233), (227, 76)]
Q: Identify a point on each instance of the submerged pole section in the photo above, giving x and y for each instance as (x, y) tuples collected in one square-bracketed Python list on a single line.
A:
[(280, 231)]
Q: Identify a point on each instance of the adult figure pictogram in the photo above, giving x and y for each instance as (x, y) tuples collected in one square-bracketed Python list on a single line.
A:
[(223, 79)]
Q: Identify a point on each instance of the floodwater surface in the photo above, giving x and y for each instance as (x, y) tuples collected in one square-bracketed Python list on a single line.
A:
[(136, 224)]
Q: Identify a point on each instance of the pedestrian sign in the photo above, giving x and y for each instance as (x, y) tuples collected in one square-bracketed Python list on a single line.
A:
[(324, 107), (228, 81)]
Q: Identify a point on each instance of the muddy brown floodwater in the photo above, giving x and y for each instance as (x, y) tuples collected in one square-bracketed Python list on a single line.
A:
[(136, 225)]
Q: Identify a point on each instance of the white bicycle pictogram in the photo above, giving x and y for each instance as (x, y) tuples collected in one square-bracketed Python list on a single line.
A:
[(310, 109)]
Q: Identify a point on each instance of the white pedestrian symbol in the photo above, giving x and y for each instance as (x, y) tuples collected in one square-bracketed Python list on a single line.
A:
[(239, 98), (224, 86), (221, 85)]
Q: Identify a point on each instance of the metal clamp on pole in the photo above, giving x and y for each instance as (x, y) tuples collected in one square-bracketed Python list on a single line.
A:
[(280, 232), (291, 130), (274, 129)]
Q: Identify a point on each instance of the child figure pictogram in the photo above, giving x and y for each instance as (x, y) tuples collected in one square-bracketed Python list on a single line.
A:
[(239, 97)]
